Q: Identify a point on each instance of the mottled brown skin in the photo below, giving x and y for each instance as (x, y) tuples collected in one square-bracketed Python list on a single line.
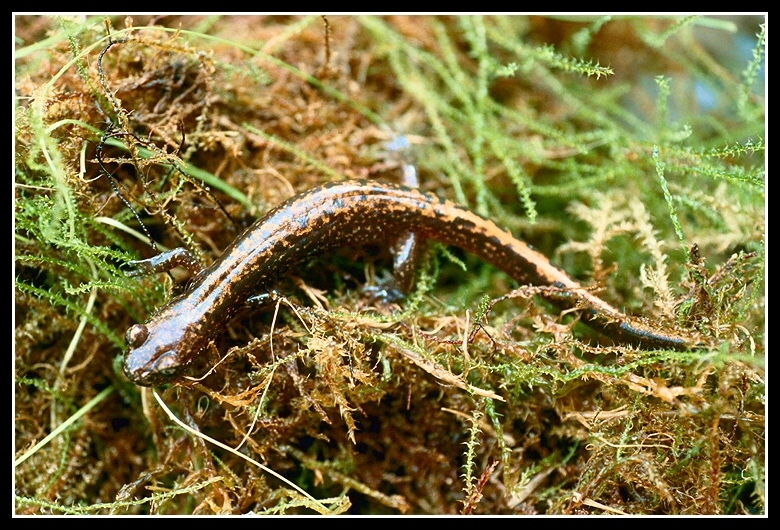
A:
[(351, 213)]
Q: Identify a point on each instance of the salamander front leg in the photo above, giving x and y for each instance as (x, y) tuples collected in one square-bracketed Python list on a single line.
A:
[(178, 257), (263, 300)]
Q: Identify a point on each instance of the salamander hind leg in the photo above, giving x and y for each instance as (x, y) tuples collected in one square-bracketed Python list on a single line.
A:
[(406, 252)]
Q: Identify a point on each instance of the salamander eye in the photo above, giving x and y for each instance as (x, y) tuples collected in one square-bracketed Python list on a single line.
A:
[(137, 335)]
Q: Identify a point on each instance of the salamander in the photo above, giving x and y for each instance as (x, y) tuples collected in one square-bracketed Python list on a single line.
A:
[(348, 213)]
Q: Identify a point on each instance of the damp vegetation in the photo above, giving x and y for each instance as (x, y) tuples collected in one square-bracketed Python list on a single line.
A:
[(630, 150)]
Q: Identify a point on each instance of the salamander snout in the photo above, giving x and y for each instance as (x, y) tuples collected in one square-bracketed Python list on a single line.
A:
[(149, 362)]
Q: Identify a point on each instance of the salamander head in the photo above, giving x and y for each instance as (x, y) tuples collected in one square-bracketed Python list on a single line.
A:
[(159, 350)]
